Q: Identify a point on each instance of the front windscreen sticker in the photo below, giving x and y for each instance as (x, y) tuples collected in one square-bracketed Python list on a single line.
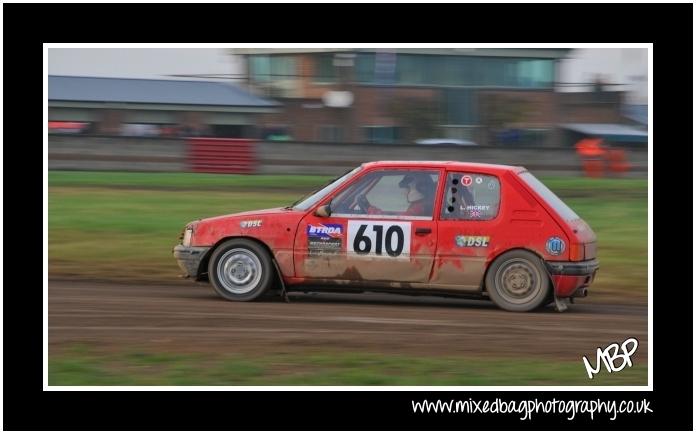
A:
[(472, 240), (324, 238), (379, 238)]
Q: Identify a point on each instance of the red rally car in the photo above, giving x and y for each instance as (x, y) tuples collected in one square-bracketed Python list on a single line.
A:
[(421, 228)]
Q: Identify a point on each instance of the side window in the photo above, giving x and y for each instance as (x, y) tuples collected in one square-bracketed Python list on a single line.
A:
[(471, 196), (390, 192)]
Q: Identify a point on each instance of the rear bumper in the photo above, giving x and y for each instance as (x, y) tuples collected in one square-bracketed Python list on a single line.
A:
[(571, 279), (581, 268), (189, 259)]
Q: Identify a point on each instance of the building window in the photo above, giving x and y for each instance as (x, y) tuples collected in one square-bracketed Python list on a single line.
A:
[(264, 68), (535, 73), (330, 133), (324, 69), (382, 134), (365, 68), (433, 70), (460, 107), (260, 68)]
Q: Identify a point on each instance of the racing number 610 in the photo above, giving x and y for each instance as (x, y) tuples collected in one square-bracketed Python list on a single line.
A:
[(363, 244)]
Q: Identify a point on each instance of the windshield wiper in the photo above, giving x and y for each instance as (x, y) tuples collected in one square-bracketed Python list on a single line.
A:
[(301, 199)]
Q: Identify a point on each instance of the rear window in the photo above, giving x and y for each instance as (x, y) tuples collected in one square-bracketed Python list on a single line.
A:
[(554, 201)]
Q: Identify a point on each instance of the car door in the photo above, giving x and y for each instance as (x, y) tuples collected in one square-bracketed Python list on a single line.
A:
[(469, 216), (394, 242)]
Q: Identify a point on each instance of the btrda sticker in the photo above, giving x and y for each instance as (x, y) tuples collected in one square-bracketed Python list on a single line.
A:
[(472, 240)]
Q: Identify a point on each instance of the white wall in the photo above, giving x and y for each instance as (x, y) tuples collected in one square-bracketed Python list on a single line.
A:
[(627, 66)]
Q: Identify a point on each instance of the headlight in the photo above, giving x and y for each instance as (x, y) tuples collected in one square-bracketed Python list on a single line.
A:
[(187, 237)]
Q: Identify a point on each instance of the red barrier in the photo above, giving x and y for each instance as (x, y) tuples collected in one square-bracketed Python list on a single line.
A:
[(218, 155)]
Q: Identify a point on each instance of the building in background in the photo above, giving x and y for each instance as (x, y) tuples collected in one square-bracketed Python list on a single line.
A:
[(402, 95), (619, 69), (489, 96), (144, 107)]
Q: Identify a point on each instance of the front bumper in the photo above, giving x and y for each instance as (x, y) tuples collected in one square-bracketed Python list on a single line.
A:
[(189, 259), (571, 279)]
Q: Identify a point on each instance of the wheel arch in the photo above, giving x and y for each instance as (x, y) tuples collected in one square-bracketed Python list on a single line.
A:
[(501, 253), (203, 266)]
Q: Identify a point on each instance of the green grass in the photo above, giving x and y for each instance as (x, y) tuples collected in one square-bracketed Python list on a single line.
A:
[(186, 181), (83, 367), (97, 231)]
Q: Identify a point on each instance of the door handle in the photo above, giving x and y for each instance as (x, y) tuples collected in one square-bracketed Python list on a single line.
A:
[(423, 231)]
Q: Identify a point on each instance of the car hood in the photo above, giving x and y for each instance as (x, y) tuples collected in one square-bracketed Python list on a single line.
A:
[(241, 215), (258, 223)]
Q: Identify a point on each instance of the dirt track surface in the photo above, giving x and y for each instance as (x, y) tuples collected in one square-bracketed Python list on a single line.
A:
[(192, 318)]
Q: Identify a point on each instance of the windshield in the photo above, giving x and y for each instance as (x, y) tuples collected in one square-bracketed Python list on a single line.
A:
[(554, 201), (317, 195)]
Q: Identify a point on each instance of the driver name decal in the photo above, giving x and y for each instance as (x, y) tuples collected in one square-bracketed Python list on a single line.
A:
[(379, 238)]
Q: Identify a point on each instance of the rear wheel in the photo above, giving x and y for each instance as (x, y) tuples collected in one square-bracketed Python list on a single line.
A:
[(517, 281), (240, 270)]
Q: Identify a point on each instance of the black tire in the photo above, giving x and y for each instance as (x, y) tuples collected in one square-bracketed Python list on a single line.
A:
[(517, 281), (244, 262)]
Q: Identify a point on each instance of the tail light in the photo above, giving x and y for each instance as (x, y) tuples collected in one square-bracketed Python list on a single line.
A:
[(577, 252)]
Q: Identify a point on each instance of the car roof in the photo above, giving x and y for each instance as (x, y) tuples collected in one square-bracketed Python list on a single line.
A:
[(451, 165)]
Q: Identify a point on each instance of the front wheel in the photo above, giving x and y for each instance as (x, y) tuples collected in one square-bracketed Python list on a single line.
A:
[(517, 281), (240, 270)]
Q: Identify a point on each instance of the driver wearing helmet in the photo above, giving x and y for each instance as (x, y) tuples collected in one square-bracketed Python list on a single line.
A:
[(418, 191)]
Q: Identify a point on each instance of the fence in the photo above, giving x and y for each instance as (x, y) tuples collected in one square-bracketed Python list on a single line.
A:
[(243, 156)]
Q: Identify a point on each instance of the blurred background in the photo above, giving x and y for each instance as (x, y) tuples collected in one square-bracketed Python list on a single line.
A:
[(502, 105), (142, 141)]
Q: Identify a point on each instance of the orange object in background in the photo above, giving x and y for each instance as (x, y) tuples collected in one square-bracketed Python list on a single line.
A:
[(590, 148), (597, 158), (593, 168), (617, 161), (592, 154)]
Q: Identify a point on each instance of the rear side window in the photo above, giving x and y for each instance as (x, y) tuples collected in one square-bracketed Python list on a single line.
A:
[(554, 201), (471, 196)]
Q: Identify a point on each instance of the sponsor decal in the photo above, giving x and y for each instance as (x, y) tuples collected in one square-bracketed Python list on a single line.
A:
[(555, 246), (479, 180), (250, 224), (466, 180), (324, 238), (379, 238), (491, 185), (472, 240), (478, 207), (328, 230)]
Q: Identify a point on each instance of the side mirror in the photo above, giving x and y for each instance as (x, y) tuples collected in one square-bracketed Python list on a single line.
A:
[(323, 211)]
